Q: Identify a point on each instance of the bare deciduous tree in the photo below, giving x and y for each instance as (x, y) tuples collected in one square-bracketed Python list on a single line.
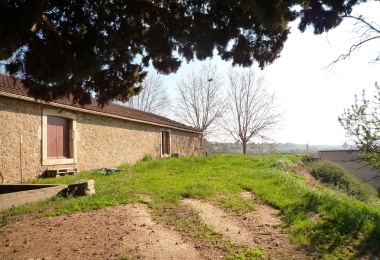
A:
[(153, 97), (251, 109), (200, 99)]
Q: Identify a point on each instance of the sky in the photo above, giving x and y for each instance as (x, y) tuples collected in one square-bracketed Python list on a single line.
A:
[(311, 96)]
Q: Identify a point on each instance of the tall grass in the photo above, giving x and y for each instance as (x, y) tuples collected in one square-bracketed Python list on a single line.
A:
[(335, 225)]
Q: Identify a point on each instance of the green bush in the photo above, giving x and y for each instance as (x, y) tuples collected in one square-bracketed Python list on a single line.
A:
[(147, 158), (336, 176), (283, 164)]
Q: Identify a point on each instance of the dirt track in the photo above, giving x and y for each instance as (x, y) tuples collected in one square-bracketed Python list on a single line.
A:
[(129, 231)]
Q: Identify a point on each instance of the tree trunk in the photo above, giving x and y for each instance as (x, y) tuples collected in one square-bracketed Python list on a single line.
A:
[(244, 147)]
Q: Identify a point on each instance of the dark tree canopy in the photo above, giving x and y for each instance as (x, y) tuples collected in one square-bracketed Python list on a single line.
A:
[(101, 47)]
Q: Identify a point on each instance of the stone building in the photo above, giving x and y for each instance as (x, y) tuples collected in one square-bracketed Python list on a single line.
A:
[(37, 136)]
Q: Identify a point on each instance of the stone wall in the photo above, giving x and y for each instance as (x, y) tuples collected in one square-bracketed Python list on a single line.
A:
[(184, 143), (100, 141), (18, 119), (103, 141)]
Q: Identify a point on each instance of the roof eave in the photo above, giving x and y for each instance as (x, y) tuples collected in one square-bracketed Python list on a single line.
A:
[(16, 96)]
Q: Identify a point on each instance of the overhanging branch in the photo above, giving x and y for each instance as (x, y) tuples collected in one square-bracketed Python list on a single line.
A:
[(369, 28)]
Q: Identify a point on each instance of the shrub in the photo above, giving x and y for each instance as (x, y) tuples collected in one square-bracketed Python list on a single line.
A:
[(283, 164), (147, 158), (336, 176)]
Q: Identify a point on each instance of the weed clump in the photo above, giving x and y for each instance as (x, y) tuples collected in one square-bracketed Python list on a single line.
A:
[(283, 164), (336, 177), (147, 158)]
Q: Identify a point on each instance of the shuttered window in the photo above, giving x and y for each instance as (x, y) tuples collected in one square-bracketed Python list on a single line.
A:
[(165, 142), (58, 137)]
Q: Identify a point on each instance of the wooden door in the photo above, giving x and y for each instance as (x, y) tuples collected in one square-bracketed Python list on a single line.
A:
[(57, 137)]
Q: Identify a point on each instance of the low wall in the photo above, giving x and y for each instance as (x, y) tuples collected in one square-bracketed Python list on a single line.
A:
[(12, 195), (22, 194)]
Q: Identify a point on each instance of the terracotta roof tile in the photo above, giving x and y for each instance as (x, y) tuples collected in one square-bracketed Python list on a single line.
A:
[(15, 87)]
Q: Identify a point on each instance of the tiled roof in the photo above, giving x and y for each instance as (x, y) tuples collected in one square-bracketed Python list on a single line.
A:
[(15, 87)]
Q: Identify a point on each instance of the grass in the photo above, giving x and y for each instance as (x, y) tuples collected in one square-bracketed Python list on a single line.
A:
[(346, 228)]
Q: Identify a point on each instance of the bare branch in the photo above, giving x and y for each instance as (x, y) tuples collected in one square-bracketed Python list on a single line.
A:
[(251, 110), (153, 97), (200, 102), (352, 49), (370, 25), (366, 30)]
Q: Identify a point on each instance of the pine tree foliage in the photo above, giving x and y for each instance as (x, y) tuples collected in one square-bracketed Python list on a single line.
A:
[(101, 47)]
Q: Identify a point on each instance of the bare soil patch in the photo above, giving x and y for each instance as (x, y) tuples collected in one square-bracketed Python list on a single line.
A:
[(129, 232), (109, 233), (304, 172), (258, 229)]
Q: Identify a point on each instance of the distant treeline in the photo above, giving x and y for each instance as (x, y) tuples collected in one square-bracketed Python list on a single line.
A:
[(266, 148)]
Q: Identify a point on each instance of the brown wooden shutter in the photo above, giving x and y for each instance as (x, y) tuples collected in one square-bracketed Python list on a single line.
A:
[(57, 137), (51, 137), (165, 143)]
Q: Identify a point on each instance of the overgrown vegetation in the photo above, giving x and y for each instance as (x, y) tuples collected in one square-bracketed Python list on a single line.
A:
[(147, 158), (333, 224), (337, 178)]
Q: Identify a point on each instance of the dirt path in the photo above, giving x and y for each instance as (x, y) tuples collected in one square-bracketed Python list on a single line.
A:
[(258, 229), (128, 231), (98, 234)]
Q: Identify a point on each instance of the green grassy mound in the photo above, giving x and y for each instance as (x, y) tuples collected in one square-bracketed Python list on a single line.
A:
[(334, 224)]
